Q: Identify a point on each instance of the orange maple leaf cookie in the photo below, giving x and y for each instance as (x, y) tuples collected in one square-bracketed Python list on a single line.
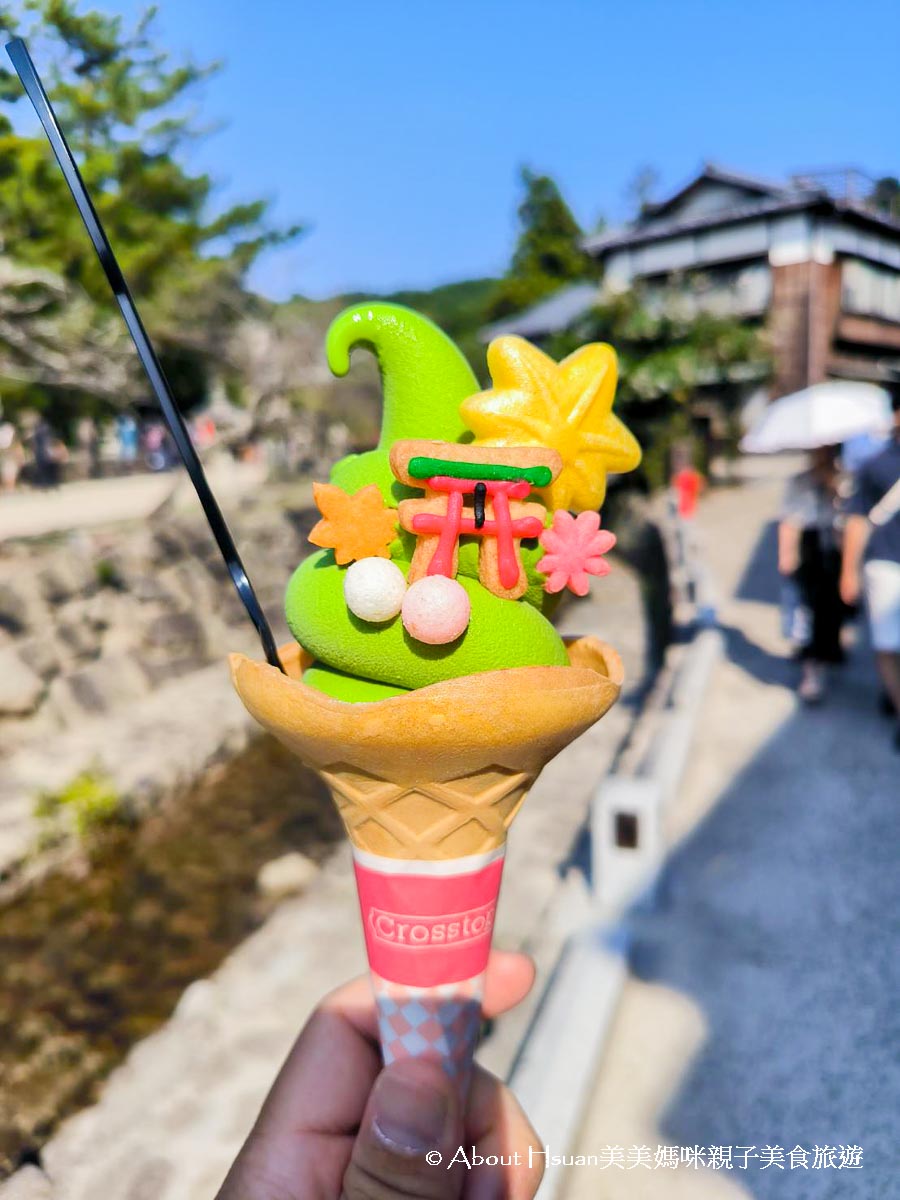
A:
[(354, 527)]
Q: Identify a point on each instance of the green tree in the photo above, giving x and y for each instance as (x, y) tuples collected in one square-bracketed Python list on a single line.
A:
[(886, 195), (548, 252), (671, 353), (642, 188), (123, 104)]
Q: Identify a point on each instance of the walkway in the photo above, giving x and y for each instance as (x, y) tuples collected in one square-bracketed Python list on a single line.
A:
[(763, 1008), (91, 502)]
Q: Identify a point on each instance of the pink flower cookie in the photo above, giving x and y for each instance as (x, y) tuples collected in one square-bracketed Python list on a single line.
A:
[(575, 547)]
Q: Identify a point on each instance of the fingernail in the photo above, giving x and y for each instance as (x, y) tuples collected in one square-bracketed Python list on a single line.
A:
[(409, 1112)]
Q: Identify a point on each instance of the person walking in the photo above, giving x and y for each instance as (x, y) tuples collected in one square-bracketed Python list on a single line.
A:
[(12, 456), (127, 434), (88, 438), (809, 555), (49, 453), (872, 558), (686, 485)]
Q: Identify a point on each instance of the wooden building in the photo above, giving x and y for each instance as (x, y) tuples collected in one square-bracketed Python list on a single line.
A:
[(811, 259)]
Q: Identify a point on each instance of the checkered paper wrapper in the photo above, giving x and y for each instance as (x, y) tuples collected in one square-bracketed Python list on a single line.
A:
[(428, 929)]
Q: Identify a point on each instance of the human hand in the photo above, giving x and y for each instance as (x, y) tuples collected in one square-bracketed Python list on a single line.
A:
[(788, 558), (849, 587), (337, 1125)]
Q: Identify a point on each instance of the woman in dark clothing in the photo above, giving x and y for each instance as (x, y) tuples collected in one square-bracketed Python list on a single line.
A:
[(809, 553), (49, 453)]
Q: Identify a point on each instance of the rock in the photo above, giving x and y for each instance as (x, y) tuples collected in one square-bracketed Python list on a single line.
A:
[(189, 582), (20, 687), (197, 1000), (100, 687), (150, 1179), (41, 654), (172, 644), (286, 876), (148, 588), (100, 610), (38, 728), (80, 626), (176, 633), (67, 574), (28, 1183), (13, 607), (177, 539), (122, 623), (229, 604)]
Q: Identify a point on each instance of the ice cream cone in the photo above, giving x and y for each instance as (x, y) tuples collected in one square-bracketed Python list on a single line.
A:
[(427, 784)]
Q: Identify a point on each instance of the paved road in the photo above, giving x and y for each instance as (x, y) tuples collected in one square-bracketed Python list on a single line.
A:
[(767, 982)]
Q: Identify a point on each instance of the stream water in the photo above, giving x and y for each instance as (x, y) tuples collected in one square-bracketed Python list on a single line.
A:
[(97, 955)]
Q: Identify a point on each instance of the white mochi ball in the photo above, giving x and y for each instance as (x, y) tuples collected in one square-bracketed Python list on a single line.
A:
[(374, 589)]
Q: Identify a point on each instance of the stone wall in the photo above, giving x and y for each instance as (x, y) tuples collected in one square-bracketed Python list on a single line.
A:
[(110, 640), (96, 621)]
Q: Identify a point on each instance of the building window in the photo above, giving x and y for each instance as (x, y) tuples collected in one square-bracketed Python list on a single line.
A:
[(869, 291), (723, 291)]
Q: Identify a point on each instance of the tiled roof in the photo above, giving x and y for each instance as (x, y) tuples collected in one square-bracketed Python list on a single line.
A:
[(636, 234), (552, 315), (632, 235), (715, 174)]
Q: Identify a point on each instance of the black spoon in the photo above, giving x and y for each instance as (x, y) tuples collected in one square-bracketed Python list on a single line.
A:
[(31, 81)]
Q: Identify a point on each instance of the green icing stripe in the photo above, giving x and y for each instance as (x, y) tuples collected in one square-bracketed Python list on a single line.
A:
[(424, 468)]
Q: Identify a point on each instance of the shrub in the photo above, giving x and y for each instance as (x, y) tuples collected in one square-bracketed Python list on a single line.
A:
[(87, 801)]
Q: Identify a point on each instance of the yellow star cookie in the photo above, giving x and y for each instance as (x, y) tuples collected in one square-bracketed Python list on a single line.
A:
[(566, 406), (357, 526)]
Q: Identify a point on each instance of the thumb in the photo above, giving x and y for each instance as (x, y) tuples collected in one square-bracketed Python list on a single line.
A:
[(413, 1112)]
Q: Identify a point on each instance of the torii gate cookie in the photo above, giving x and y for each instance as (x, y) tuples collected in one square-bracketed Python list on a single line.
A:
[(498, 479)]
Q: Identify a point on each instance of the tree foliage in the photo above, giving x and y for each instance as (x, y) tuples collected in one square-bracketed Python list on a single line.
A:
[(886, 195), (548, 252), (671, 352), (125, 107)]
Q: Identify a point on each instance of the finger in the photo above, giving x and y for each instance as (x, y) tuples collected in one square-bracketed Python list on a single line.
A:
[(301, 1142), (339, 1043), (324, 1082), (508, 980), (411, 1114), (497, 1127)]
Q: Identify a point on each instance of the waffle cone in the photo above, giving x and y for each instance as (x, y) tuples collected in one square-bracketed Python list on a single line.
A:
[(439, 772)]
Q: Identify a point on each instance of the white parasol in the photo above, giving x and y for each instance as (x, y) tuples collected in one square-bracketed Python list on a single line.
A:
[(825, 414)]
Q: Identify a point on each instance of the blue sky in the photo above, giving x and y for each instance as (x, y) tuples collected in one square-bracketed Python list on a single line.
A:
[(396, 128)]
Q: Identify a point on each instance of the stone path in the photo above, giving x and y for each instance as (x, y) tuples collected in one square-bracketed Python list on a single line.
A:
[(171, 1119), (763, 1004)]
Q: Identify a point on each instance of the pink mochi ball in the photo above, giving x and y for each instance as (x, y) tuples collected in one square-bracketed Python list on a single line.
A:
[(435, 610)]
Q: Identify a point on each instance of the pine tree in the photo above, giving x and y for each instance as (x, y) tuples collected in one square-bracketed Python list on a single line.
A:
[(122, 103), (548, 252), (886, 195)]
